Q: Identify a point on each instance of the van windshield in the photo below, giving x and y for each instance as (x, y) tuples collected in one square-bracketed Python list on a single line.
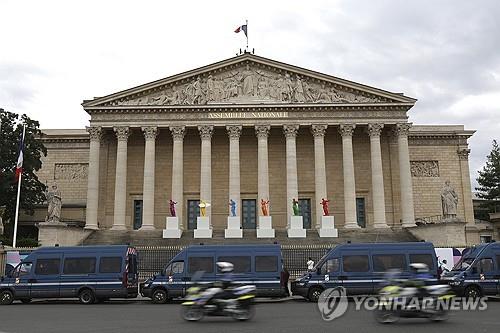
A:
[(320, 262), (463, 264)]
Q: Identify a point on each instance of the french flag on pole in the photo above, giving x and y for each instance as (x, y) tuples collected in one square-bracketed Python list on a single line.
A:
[(20, 159), (242, 28)]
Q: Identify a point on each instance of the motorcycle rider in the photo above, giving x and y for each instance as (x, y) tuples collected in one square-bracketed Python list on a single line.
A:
[(419, 275)]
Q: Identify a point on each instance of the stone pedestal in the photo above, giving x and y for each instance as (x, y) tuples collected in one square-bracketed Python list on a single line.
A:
[(233, 228), (296, 227), (203, 229), (172, 228), (52, 233), (265, 227), (328, 227)]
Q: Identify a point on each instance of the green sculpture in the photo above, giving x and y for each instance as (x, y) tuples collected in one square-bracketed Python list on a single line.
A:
[(295, 206)]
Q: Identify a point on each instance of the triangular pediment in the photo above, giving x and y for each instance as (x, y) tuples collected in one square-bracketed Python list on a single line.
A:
[(248, 79)]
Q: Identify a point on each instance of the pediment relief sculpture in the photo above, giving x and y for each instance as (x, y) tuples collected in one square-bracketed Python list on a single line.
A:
[(249, 84)]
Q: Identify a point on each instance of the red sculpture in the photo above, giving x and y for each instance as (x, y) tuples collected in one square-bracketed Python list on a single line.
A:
[(324, 203)]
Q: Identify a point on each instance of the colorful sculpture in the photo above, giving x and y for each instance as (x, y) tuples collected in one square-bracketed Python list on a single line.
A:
[(203, 208), (232, 204), (172, 208), (295, 206), (324, 202), (264, 205)]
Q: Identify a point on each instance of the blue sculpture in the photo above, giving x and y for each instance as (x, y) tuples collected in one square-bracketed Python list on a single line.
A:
[(232, 204)]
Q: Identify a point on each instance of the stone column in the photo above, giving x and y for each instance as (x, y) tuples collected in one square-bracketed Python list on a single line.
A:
[(206, 132), (262, 132), (350, 217), (234, 133), (148, 189), (406, 188), (463, 155), (178, 171), (95, 133), (292, 188), (318, 132), (378, 197), (122, 134)]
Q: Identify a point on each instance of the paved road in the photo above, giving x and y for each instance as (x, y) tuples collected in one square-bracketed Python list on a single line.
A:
[(291, 316)]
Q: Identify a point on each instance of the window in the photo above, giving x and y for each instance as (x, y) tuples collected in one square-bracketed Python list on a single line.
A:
[(305, 212), (137, 214), (47, 266), (360, 212), (355, 263), (23, 269), (205, 264), (175, 268), (249, 213), (384, 262), (423, 259), (485, 265), (485, 238), (110, 265), (266, 263), (193, 211), (330, 266), (242, 264), (79, 266)]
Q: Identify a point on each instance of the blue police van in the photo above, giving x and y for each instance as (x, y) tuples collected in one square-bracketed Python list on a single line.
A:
[(260, 265), (477, 273), (360, 268), (90, 273)]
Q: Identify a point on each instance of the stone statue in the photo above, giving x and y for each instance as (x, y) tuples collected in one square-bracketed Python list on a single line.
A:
[(232, 204), (249, 82), (295, 206), (264, 205), (54, 204), (299, 91), (203, 207), (172, 208), (324, 202), (449, 201)]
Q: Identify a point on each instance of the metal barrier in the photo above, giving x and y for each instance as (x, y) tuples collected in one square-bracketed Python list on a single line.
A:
[(152, 259)]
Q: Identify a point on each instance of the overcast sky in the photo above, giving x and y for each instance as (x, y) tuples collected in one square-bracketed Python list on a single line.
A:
[(55, 54)]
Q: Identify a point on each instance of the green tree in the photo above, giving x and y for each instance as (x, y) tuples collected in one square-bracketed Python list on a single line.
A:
[(489, 180), (31, 187)]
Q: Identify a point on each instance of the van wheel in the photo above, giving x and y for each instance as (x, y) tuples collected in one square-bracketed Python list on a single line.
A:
[(160, 296), (26, 300), (86, 296), (6, 297), (472, 292), (314, 293)]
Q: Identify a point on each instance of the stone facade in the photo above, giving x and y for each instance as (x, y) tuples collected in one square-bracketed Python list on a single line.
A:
[(368, 146)]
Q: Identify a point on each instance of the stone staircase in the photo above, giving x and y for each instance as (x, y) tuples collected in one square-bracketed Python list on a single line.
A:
[(154, 238)]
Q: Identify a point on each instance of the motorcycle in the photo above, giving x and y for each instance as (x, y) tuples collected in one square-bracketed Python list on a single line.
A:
[(399, 301), (201, 301)]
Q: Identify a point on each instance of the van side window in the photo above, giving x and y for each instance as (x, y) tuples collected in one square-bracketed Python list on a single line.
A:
[(498, 262), (110, 265), (242, 264), (266, 263), (355, 263), (384, 262), (79, 266), (47, 266), (485, 265), (205, 264), (422, 259), (330, 266)]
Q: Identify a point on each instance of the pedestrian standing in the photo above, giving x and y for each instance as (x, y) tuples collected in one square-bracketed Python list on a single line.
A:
[(310, 264)]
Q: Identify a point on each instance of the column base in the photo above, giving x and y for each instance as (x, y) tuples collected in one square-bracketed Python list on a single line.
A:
[(118, 227), (328, 227), (203, 229), (380, 226), (147, 228), (265, 227), (351, 226), (91, 227), (296, 229), (172, 228), (408, 224), (233, 228)]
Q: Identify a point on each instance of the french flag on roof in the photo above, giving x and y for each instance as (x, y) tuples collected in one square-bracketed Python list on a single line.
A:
[(242, 28), (20, 159)]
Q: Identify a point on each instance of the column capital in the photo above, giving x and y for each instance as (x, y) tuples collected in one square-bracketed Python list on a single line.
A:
[(347, 129), (375, 129), (150, 132), (290, 131), (262, 131), (95, 133), (206, 131), (318, 130), (122, 133), (178, 132), (234, 131), (463, 153), (402, 129)]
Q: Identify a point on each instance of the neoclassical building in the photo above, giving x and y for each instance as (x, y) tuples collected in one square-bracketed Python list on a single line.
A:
[(250, 128)]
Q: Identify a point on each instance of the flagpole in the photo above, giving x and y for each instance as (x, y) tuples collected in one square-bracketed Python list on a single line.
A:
[(18, 195), (247, 33)]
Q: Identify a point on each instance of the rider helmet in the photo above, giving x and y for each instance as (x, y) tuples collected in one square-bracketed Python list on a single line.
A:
[(419, 268), (225, 267)]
